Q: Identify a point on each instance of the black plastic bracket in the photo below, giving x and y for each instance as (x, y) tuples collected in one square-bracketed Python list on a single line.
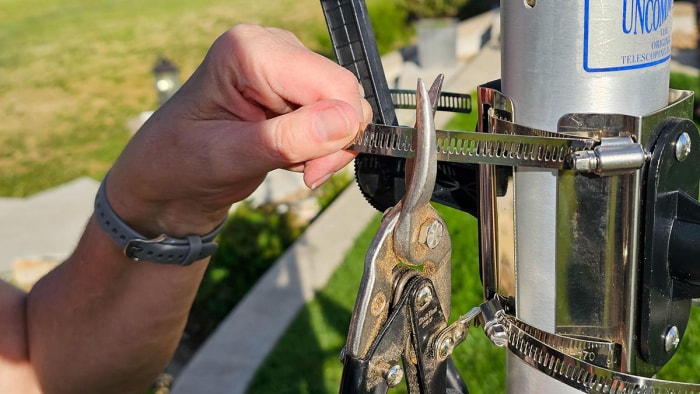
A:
[(356, 49), (381, 178), (671, 260)]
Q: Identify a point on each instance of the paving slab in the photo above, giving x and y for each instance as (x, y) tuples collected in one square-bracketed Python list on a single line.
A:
[(46, 225)]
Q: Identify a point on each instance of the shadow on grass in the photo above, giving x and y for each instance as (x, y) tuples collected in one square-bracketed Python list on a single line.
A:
[(305, 371), (305, 359)]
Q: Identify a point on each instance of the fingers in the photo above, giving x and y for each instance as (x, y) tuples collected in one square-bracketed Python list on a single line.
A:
[(322, 104), (309, 139), (317, 171), (272, 68), (287, 35), (259, 101), (309, 133)]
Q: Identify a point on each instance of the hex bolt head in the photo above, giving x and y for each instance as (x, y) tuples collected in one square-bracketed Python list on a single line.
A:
[(498, 335), (683, 146), (393, 375), (424, 297), (672, 338), (434, 234)]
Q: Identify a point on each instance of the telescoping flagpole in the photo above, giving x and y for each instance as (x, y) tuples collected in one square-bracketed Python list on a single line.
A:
[(575, 242)]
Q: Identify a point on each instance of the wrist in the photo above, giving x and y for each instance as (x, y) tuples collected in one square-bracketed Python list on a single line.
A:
[(152, 209), (162, 248)]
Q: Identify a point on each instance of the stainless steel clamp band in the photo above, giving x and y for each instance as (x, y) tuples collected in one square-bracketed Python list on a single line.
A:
[(510, 144), (580, 374), (585, 364), (584, 149), (472, 147)]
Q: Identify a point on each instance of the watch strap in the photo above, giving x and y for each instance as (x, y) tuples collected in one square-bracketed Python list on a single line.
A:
[(163, 249)]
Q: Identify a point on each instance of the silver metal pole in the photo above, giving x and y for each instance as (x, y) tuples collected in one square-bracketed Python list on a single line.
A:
[(562, 57)]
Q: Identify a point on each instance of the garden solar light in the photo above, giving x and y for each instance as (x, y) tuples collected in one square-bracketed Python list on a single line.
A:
[(167, 79)]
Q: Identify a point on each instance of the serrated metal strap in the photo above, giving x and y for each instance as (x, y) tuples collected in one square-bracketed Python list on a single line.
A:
[(597, 352), (473, 147), (579, 374), (448, 102)]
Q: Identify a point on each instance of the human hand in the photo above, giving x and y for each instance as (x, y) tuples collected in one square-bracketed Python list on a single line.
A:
[(259, 101)]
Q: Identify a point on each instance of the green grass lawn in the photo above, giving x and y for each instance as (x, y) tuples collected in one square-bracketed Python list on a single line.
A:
[(73, 72)]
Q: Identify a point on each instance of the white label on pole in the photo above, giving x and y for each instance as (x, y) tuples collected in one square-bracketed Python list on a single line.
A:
[(626, 34)]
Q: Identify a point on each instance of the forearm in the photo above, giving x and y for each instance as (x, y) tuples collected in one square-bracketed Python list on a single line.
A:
[(102, 322)]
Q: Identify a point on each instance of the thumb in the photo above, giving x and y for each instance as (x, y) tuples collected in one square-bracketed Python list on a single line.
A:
[(310, 132)]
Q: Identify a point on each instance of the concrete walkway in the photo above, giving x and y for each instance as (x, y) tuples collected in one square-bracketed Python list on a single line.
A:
[(39, 231)]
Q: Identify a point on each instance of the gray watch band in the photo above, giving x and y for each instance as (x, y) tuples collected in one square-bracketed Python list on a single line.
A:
[(162, 249)]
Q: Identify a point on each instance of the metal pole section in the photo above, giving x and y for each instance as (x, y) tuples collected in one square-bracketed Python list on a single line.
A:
[(559, 57)]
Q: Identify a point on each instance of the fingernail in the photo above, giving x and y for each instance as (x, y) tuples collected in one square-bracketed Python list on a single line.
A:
[(332, 124), (320, 181)]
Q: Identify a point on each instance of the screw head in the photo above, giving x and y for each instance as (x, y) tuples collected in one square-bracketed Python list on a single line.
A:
[(672, 338), (434, 234), (498, 335), (393, 375), (424, 297), (683, 146), (446, 347)]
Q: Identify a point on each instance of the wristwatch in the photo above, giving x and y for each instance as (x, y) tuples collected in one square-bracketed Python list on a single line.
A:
[(162, 249)]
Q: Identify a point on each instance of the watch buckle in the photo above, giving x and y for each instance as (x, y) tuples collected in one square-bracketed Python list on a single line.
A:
[(134, 245)]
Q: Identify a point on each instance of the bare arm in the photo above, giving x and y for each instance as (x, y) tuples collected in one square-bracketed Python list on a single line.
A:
[(103, 323)]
